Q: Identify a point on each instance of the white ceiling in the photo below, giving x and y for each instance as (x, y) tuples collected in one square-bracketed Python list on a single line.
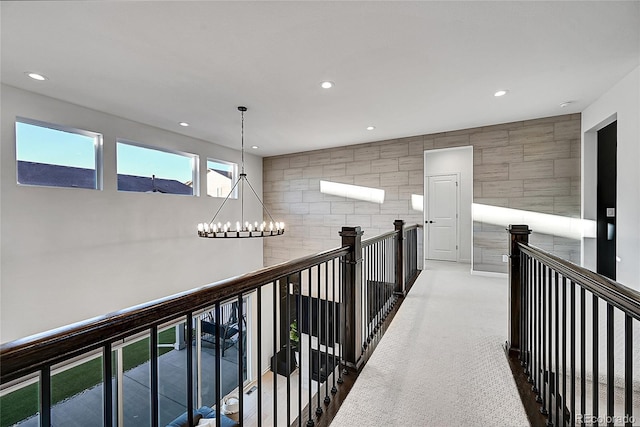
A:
[(407, 68)]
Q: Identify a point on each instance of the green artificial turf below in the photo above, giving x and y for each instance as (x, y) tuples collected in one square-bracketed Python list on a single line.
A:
[(23, 403)]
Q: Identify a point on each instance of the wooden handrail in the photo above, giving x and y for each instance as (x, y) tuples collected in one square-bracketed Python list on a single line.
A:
[(617, 294), (27, 355), (377, 239)]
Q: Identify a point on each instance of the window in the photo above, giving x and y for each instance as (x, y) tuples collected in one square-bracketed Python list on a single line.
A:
[(57, 156), (221, 177), (153, 170)]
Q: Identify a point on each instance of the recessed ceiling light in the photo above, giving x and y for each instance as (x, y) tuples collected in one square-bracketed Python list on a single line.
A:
[(255, 147), (36, 76), (371, 127), (566, 104), (184, 124), (501, 93), (327, 84)]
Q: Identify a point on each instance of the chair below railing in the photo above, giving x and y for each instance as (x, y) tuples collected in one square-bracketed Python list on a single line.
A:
[(566, 351), (278, 346)]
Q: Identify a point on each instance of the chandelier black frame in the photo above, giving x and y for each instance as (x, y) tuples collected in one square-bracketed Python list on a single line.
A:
[(243, 229)]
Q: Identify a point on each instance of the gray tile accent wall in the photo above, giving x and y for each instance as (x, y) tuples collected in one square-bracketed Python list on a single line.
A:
[(532, 165)]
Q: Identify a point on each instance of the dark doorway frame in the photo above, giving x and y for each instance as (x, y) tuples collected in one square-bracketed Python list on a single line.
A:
[(606, 200)]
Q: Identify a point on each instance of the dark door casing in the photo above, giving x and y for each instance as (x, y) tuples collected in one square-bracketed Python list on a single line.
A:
[(606, 203)]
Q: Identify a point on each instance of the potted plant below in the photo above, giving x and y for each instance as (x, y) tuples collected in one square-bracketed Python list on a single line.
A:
[(294, 339)]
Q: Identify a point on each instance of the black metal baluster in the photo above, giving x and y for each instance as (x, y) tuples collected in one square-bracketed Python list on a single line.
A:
[(334, 328), (594, 348), (543, 394), (318, 323), (300, 358), (45, 397), (371, 292), (189, 338), (240, 361), (259, 355), (383, 285), (365, 293), (389, 264), (327, 399), (530, 352), (379, 284), (556, 350), (379, 290), (343, 316), (628, 370), (310, 422), (107, 373), (538, 323), (394, 265), (376, 301), (392, 249), (274, 367), (523, 310), (583, 357), (385, 279), (218, 362), (386, 273), (572, 411), (153, 351), (288, 350), (610, 348), (563, 401), (549, 397)]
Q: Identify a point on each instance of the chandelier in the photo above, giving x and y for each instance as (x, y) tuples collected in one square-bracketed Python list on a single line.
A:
[(241, 228)]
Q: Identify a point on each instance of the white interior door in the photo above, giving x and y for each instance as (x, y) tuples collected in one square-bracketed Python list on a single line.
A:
[(441, 219)]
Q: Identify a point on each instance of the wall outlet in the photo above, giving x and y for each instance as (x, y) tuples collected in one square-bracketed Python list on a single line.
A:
[(505, 258)]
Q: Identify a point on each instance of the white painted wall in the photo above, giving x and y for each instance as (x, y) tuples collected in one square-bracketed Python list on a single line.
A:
[(622, 102), (450, 161), (72, 254)]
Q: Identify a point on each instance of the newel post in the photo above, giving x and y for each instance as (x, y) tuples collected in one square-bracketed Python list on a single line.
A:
[(352, 296), (399, 227), (518, 234)]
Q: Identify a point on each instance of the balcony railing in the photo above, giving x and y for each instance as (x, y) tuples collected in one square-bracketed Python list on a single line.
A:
[(318, 317), (556, 333)]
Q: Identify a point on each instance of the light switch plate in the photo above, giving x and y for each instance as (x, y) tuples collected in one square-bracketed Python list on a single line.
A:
[(611, 212), (505, 258)]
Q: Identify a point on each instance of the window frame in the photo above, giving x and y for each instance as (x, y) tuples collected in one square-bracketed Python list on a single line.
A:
[(195, 164), (97, 147), (234, 178)]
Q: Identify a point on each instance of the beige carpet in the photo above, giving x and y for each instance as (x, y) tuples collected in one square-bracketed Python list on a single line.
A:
[(441, 362)]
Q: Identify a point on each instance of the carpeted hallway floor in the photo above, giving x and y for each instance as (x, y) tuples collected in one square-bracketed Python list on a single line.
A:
[(441, 362)]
